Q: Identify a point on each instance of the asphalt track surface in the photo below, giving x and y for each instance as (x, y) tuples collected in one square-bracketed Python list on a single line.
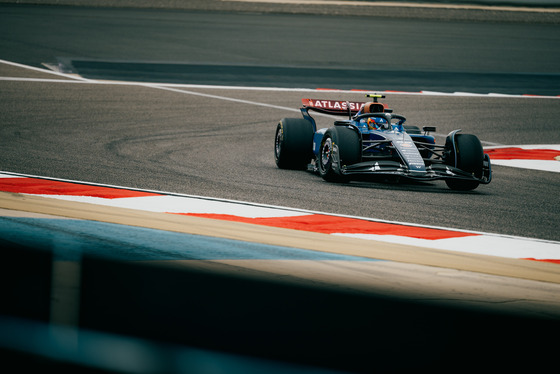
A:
[(218, 141), (181, 140)]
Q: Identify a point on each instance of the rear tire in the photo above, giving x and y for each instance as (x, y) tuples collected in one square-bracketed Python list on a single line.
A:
[(349, 152), (468, 156), (293, 143)]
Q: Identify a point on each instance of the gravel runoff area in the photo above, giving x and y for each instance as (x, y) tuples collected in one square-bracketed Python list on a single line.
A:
[(548, 11)]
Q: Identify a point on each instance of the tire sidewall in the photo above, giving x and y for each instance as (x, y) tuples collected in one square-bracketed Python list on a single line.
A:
[(293, 143), (467, 156)]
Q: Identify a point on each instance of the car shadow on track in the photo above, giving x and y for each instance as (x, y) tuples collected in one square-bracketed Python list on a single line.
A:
[(399, 184)]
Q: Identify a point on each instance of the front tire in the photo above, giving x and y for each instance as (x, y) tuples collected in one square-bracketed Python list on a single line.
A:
[(293, 143), (468, 156), (340, 145)]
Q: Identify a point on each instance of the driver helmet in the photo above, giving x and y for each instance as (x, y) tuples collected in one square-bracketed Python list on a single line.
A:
[(375, 123)]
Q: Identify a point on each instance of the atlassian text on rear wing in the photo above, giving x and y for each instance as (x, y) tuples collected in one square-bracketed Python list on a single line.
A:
[(333, 106)]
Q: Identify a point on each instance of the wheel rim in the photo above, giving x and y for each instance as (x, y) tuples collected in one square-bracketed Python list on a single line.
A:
[(326, 153), (278, 142)]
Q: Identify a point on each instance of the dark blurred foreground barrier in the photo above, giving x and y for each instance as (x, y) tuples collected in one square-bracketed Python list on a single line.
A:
[(123, 304), (303, 324), (25, 281)]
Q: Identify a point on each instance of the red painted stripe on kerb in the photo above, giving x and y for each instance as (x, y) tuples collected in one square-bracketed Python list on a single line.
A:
[(320, 223), (332, 224), (543, 260), (49, 187), (515, 153)]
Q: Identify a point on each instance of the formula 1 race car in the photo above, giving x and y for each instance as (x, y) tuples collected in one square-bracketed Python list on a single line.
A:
[(375, 142)]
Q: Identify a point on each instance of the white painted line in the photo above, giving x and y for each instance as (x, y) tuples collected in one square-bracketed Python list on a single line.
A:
[(542, 165), (42, 70), (532, 146), (483, 244), (43, 80), (185, 205), (175, 88), (225, 98), (532, 164), (404, 5)]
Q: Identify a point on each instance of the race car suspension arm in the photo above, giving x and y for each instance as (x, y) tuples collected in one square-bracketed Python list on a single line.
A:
[(438, 151), (373, 144)]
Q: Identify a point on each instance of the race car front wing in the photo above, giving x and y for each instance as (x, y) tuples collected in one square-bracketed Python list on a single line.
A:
[(434, 171)]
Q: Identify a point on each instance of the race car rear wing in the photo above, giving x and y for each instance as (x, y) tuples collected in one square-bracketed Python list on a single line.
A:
[(334, 107)]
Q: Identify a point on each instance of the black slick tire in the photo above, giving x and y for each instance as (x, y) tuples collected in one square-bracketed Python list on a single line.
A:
[(467, 156), (293, 143)]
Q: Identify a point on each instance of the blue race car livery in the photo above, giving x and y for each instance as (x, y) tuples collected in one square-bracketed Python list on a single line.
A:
[(373, 141)]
